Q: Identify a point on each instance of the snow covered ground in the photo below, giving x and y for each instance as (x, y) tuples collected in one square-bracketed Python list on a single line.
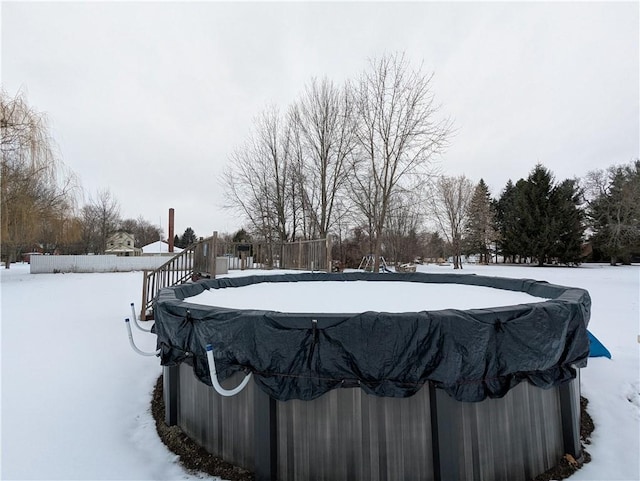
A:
[(75, 397)]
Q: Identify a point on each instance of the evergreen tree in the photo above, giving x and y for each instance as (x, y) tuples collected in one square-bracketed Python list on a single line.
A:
[(435, 246), (534, 208), (541, 220), (480, 231), (187, 238), (177, 242), (241, 236), (507, 222), (567, 222)]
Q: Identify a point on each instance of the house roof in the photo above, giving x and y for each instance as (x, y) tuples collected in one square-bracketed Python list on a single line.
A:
[(159, 247)]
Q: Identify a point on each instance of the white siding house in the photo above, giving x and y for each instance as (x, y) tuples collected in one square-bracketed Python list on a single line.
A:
[(122, 244)]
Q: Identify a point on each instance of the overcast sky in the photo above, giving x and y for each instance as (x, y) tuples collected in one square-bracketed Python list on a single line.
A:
[(149, 99)]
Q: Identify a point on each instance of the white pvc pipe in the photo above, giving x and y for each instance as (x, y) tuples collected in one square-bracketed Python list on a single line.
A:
[(133, 344), (135, 319), (214, 377)]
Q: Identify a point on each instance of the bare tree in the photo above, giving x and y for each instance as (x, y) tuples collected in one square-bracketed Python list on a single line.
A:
[(365, 197), (247, 190), (325, 135), (37, 191), (397, 136), (613, 207), (258, 180), (401, 230), (58, 231), (144, 232), (100, 219), (450, 206)]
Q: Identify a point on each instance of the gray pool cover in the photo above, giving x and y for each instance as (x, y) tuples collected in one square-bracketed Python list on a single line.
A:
[(471, 354)]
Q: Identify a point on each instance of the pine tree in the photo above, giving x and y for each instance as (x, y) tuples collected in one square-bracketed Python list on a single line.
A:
[(480, 231), (534, 207), (187, 238), (241, 236), (507, 222), (567, 222), (541, 220)]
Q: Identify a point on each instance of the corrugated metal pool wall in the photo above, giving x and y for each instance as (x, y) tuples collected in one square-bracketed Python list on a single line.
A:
[(223, 426), (512, 438), (349, 435)]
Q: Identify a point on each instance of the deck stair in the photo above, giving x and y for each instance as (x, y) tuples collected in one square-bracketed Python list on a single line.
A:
[(196, 261)]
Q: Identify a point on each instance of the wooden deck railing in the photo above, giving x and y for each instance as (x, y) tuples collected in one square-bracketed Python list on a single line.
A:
[(308, 255), (200, 259)]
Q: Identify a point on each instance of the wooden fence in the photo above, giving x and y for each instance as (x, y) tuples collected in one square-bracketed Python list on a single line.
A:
[(308, 255)]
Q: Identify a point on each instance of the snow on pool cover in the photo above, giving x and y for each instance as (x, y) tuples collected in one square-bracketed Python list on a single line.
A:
[(360, 296)]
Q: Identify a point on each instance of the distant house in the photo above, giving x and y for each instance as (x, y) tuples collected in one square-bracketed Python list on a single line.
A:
[(122, 244), (159, 248)]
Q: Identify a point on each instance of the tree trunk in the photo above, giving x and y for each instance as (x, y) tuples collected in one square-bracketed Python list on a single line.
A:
[(376, 255), (9, 258)]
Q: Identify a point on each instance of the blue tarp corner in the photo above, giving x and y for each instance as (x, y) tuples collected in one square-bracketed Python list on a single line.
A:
[(596, 348)]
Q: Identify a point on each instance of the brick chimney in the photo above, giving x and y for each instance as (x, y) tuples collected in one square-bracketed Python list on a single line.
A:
[(171, 233)]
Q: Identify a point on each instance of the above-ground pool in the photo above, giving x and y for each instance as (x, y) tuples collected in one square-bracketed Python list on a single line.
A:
[(448, 384)]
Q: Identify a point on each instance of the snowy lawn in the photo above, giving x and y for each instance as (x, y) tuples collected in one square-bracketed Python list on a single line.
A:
[(75, 397)]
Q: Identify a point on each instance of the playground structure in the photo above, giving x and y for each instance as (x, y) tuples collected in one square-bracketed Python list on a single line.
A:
[(368, 262)]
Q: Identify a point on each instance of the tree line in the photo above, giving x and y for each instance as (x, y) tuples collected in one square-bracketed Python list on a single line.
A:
[(339, 156), (42, 206), (597, 217), (534, 220), (356, 161)]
